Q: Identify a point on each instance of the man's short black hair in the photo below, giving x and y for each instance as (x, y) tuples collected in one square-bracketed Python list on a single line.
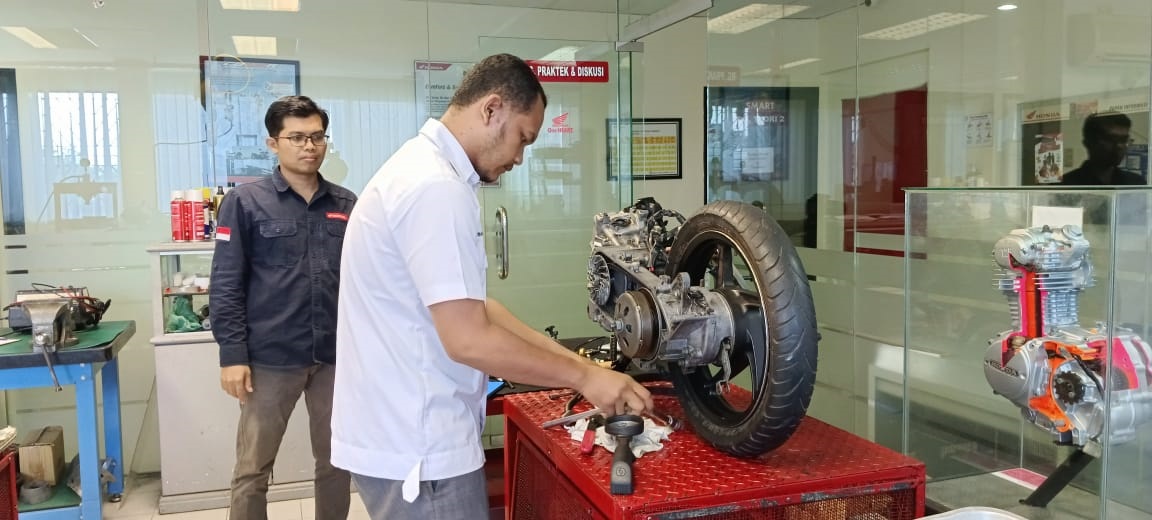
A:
[(291, 106), (1097, 125), (502, 74)]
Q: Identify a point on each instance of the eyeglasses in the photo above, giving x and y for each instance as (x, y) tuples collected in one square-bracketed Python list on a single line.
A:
[(298, 140), (1116, 140)]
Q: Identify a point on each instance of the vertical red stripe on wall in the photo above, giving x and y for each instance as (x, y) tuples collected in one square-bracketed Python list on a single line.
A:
[(890, 154)]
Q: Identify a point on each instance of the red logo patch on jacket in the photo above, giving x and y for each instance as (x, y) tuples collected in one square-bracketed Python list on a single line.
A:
[(337, 216)]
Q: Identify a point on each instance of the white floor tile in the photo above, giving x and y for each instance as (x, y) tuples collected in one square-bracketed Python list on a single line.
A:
[(284, 510), (308, 508), (357, 504), (211, 514), (141, 495)]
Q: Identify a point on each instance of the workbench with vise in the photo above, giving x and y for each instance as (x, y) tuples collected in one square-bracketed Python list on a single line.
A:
[(94, 352)]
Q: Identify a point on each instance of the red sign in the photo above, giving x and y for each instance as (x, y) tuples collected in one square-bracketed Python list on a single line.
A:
[(428, 65), (570, 71)]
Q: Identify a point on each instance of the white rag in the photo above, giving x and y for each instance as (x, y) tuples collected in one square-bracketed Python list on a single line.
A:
[(649, 440)]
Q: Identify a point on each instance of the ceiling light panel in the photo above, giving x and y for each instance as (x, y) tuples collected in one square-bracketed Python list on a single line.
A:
[(261, 5), (255, 45), (750, 17), (30, 37), (921, 26), (798, 63)]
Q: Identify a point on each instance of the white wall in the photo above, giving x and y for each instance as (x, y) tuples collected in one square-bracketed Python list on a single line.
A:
[(670, 83)]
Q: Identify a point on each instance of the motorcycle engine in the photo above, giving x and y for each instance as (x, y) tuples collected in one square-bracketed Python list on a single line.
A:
[(654, 316), (1062, 376)]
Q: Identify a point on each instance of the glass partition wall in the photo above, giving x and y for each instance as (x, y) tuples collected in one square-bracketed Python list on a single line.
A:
[(937, 93), (821, 111), (108, 107)]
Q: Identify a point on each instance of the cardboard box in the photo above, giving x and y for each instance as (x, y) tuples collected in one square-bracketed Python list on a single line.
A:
[(42, 454)]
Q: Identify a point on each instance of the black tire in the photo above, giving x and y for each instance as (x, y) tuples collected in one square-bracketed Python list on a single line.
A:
[(783, 363)]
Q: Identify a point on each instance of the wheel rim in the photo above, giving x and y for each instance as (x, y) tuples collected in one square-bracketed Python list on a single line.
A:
[(716, 261)]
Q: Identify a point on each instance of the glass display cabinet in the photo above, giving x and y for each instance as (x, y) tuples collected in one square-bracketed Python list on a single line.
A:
[(197, 419), (180, 274), (1027, 380)]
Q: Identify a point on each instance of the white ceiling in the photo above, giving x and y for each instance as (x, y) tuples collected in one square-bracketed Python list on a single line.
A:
[(640, 7), (816, 8)]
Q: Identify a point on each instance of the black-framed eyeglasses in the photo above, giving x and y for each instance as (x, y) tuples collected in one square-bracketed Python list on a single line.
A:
[(1117, 140), (298, 140)]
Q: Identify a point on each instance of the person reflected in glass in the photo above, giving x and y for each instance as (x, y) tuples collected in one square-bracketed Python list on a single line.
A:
[(1106, 137), (718, 189)]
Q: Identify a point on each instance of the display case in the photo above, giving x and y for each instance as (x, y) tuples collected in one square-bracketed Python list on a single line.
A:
[(180, 280), (1027, 369), (198, 419)]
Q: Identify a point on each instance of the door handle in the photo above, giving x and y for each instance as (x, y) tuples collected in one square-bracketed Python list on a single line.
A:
[(502, 236)]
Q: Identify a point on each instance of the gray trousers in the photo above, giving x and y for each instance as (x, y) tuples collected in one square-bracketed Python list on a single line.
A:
[(263, 420), (457, 498)]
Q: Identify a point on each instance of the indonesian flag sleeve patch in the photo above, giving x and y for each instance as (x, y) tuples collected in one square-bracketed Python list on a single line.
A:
[(224, 233)]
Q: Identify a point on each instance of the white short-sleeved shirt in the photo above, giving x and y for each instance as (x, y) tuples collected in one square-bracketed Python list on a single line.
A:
[(401, 407)]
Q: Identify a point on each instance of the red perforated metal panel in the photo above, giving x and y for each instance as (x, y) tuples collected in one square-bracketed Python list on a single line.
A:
[(8, 496), (822, 472)]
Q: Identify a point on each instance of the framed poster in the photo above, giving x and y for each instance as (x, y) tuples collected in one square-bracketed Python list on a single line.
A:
[(1052, 140), (436, 83), (235, 93), (656, 148), (757, 138)]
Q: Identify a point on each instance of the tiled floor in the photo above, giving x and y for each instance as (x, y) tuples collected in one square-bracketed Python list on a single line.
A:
[(143, 494)]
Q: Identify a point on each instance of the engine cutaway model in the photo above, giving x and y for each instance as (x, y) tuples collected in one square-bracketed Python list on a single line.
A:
[(1060, 374), (704, 299)]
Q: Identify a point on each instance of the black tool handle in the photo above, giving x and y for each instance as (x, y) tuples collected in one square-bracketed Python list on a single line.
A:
[(621, 483)]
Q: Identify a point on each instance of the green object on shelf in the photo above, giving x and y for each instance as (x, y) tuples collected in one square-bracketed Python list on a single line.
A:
[(181, 318)]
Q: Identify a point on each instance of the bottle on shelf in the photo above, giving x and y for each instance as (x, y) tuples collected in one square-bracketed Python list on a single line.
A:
[(176, 207)]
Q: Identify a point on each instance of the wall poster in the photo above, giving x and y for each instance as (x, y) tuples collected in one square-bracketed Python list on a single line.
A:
[(760, 145), (656, 148), (1052, 140), (235, 93), (436, 83)]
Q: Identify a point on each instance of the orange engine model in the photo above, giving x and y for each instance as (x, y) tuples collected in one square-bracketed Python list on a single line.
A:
[(1062, 375)]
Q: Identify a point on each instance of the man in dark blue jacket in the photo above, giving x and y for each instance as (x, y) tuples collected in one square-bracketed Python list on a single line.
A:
[(275, 274)]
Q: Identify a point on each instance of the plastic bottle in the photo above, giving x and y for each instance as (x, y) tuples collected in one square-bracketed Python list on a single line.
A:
[(194, 227), (176, 206), (209, 210)]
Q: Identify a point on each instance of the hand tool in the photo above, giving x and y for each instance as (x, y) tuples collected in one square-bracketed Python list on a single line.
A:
[(571, 418), (623, 427), (588, 443)]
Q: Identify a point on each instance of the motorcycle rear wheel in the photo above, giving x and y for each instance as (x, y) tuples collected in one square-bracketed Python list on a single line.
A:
[(737, 250)]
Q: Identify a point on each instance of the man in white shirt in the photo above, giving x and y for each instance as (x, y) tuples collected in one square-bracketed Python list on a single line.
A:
[(416, 334)]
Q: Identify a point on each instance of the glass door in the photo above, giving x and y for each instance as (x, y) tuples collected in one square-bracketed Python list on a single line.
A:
[(538, 246)]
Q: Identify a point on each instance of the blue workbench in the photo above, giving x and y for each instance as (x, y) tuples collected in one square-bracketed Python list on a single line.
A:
[(95, 353)]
